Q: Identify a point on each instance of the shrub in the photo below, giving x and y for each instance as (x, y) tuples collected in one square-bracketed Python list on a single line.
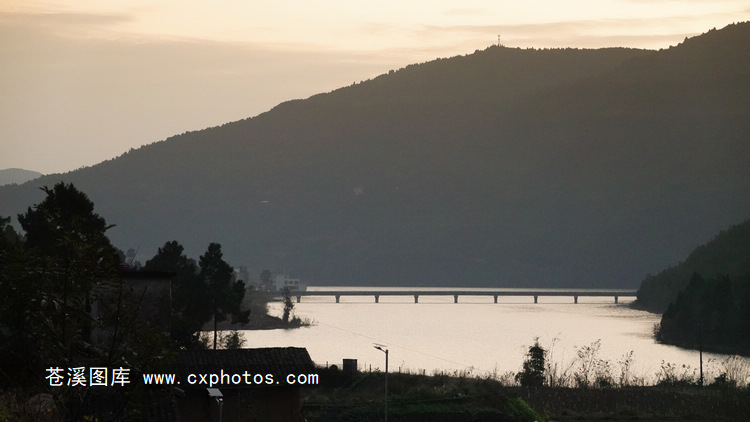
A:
[(533, 367)]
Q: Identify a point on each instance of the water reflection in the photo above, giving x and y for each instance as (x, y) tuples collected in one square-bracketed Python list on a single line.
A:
[(477, 335)]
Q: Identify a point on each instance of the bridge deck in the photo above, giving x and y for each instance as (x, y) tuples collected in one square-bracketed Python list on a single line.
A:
[(416, 292)]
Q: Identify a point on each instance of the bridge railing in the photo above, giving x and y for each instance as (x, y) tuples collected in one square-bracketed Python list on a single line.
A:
[(535, 293)]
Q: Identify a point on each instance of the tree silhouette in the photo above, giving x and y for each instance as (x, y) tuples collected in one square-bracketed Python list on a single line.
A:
[(533, 367), (68, 247), (288, 304), (711, 312), (58, 284), (19, 311), (224, 293), (190, 310)]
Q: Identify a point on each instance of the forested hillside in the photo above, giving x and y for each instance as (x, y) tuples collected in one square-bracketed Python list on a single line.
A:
[(505, 167), (726, 256), (710, 313)]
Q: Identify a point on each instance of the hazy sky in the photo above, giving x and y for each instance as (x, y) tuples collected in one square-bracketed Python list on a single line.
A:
[(82, 81)]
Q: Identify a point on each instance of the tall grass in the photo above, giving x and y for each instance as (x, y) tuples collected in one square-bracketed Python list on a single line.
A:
[(587, 369)]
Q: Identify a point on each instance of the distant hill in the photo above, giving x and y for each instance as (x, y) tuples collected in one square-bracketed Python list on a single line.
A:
[(13, 175), (505, 167), (727, 254)]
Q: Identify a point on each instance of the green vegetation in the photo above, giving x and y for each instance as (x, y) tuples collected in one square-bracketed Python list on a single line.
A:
[(458, 397), (533, 367), (67, 304), (542, 166), (727, 255), (505, 167), (588, 370), (713, 314), (706, 298), (208, 291), (48, 276), (223, 294), (233, 340), (188, 315), (413, 398), (288, 304), (587, 388)]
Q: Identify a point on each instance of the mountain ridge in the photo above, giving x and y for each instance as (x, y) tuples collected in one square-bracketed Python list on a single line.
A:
[(503, 167), (17, 176)]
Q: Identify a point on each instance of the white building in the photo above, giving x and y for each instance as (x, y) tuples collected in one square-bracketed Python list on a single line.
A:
[(281, 281)]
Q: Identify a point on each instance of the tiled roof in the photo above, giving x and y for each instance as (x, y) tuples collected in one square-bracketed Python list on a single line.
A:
[(272, 360), (107, 404), (158, 407), (141, 274)]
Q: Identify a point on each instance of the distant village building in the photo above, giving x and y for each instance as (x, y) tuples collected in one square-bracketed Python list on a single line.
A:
[(281, 281), (272, 395), (147, 293)]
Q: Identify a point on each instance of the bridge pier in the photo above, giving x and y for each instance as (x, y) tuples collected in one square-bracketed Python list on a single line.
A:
[(536, 299), (338, 297), (377, 298), (455, 298), (616, 298), (416, 298), (575, 299)]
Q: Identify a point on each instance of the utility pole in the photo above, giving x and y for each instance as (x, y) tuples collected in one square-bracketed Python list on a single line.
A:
[(381, 348), (700, 349)]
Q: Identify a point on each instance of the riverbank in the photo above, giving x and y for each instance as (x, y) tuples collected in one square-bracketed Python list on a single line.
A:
[(459, 398), (695, 343), (261, 322), (259, 319)]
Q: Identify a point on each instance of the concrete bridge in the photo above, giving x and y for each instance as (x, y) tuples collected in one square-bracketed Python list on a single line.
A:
[(417, 292)]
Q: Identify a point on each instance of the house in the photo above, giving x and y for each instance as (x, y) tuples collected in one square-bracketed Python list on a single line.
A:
[(281, 281), (147, 293), (152, 291), (243, 384)]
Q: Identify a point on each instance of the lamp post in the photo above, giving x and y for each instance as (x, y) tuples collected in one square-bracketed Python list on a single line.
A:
[(700, 350), (381, 348), (219, 397)]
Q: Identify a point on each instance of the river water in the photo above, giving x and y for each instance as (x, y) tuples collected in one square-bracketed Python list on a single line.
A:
[(477, 336)]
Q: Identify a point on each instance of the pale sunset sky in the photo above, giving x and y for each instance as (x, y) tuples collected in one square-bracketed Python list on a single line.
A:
[(83, 81)]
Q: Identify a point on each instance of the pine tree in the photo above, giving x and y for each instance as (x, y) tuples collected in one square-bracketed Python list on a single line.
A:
[(533, 366)]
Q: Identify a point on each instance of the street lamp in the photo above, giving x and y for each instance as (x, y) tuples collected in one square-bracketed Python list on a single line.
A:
[(381, 348), (216, 394)]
